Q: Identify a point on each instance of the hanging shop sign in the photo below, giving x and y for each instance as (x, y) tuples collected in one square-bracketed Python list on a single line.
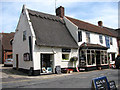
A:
[(66, 50)]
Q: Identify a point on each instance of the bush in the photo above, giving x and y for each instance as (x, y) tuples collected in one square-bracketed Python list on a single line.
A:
[(72, 59)]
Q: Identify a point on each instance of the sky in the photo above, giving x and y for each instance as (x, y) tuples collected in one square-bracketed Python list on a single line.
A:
[(90, 11)]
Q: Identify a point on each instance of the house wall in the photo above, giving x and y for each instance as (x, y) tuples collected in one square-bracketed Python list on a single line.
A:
[(19, 46), (94, 37), (57, 56)]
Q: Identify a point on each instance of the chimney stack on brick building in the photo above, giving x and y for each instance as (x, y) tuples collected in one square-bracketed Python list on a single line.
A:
[(100, 23), (60, 11)]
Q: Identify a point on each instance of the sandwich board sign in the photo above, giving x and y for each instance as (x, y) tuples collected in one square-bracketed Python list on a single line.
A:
[(112, 85), (100, 83)]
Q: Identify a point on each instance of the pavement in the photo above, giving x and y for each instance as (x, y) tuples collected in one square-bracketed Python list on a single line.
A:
[(16, 79)]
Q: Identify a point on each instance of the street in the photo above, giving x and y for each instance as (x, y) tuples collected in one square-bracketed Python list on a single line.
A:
[(70, 80)]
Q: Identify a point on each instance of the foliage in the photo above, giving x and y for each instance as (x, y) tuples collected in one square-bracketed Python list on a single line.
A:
[(72, 59)]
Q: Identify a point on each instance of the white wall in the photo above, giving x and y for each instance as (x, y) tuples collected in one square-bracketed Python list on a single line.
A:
[(19, 46), (57, 52), (94, 37)]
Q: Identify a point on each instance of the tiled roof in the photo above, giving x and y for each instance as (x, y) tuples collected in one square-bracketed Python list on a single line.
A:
[(90, 27), (118, 31), (6, 37), (50, 30)]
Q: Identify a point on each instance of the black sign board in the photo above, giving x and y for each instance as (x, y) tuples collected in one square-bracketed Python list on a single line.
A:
[(66, 50), (100, 83), (58, 70), (112, 85)]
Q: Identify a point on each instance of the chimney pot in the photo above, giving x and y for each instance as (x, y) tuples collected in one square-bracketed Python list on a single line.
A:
[(60, 11)]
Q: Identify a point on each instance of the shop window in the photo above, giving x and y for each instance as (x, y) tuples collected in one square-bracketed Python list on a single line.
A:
[(101, 39), (93, 56), (111, 41), (79, 36), (24, 35), (89, 60), (104, 57), (65, 56), (82, 58), (87, 37)]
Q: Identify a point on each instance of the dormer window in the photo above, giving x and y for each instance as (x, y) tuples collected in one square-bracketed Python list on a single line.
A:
[(79, 36), (101, 39), (87, 37), (24, 35)]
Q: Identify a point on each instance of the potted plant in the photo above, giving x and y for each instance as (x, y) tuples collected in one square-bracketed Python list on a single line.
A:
[(74, 59)]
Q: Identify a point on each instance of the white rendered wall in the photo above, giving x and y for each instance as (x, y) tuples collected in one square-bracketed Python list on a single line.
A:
[(19, 46), (94, 37), (57, 56)]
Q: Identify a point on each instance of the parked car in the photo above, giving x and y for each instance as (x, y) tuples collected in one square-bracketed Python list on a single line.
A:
[(8, 62), (117, 62)]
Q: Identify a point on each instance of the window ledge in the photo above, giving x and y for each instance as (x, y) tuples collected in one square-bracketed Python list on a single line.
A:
[(65, 60)]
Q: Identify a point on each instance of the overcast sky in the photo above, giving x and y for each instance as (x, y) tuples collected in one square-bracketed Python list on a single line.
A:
[(92, 11)]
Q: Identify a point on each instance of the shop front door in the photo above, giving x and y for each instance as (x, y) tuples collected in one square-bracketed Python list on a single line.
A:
[(97, 58), (46, 63)]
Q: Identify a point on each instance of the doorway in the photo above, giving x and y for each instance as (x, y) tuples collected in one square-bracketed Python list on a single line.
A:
[(17, 61), (46, 63), (97, 58), (113, 56)]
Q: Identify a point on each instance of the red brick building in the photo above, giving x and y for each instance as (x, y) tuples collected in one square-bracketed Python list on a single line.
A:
[(5, 46)]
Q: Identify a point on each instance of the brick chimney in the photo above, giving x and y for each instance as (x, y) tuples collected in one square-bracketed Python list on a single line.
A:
[(100, 23), (60, 11)]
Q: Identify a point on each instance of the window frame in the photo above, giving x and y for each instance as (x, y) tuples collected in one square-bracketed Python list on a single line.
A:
[(24, 35), (79, 36), (101, 39), (68, 56), (88, 37), (111, 41)]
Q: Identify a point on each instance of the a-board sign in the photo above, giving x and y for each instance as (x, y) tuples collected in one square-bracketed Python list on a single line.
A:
[(101, 83), (112, 85), (58, 70)]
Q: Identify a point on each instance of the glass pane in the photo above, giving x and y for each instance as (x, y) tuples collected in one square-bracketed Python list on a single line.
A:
[(88, 51), (93, 59), (65, 56), (88, 59)]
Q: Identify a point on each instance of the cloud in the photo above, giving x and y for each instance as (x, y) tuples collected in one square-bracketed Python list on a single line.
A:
[(92, 12), (87, 11)]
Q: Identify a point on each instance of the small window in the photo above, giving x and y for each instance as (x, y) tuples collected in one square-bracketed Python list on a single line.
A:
[(111, 42), (88, 37), (65, 56), (79, 36), (107, 41), (101, 39), (24, 35)]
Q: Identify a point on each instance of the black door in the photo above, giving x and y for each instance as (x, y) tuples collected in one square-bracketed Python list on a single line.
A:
[(97, 58)]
